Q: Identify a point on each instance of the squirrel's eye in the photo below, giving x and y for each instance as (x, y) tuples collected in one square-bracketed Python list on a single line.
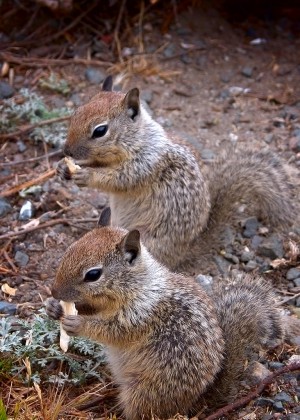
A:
[(93, 275), (99, 131)]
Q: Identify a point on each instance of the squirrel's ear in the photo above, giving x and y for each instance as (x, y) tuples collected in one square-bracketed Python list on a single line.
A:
[(131, 246), (107, 84), (104, 219), (132, 103)]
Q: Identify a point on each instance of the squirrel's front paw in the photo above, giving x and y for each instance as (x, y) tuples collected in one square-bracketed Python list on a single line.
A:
[(73, 324), (63, 170), (82, 177), (54, 309)]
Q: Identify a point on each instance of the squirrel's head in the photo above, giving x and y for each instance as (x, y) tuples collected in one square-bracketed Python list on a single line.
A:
[(97, 268), (102, 130)]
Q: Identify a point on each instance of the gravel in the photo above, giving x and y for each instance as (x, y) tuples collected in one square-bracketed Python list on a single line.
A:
[(94, 76), (5, 207), (21, 259), (6, 91)]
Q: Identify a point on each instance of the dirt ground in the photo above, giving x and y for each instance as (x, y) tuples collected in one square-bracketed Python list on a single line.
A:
[(212, 81)]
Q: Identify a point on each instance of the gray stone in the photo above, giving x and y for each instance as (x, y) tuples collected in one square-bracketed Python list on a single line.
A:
[(21, 258), (294, 144), (225, 77), (247, 256), (227, 236), (269, 138), (6, 91), (247, 71), (267, 417), (250, 227), (296, 132), (256, 241), (207, 154), (271, 247), (94, 76), (205, 281), (5, 207), (250, 266), (275, 365), (169, 51), (27, 211), (222, 264), (283, 397), (230, 257), (186, 59), (21, 146), (256, 372), (293, 273), (297, 282), (277, 406), (297, 303), (7, 308), (264, 402), (293, 417)]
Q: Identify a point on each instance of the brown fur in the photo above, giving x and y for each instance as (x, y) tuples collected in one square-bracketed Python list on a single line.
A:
[(169, 346), (158, 187)]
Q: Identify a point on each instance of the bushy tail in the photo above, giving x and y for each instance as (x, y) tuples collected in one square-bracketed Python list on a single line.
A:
[(257, 179), (249, 317)]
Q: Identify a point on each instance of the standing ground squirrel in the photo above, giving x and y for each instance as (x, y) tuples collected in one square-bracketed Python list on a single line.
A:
[(170, 346), (156, 185)]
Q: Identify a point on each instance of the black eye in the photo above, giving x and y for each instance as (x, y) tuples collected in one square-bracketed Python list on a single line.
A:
[(93, 274), (99, 131)]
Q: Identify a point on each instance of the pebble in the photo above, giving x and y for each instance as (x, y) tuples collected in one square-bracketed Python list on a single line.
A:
[(257, 372), (247, 256), (147, 96), (231, 257), (7, 308), (186, 59), (94, 76), (205, 281), (277, 406), (269, 138), (169, 51), (27, 211), (21, 258), (283, 397), (297, 303), (293, 417), (5, 207), (275, 365), (264, 402), (256, 241), (222, 264), (250, 266), (207, 154), (21, 146), (296, 132), (293, 273), (271, 247), (6, 91), (247, 71), (297, 282), (294, 144), (250, 227), (226, 77)]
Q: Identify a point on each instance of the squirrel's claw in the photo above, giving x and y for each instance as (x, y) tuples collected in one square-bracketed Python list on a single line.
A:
[(63, 171), (72, 324), (54, 309), (82, 177)]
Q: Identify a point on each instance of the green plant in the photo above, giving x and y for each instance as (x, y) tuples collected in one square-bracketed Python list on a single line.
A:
[(35, 345)]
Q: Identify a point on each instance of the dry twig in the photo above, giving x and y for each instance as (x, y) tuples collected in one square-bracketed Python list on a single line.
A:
[(43, 177), (33, 159), (241, 402)]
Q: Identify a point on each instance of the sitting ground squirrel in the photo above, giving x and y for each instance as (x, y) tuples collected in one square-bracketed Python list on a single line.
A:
[(156, 185), (171, 347)]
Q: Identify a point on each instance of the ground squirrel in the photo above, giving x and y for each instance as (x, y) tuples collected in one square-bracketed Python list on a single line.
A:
[(158, 187), (170, 347)]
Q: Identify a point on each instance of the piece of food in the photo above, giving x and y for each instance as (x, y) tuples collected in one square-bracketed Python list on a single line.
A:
[(71, 165), (69, 309)]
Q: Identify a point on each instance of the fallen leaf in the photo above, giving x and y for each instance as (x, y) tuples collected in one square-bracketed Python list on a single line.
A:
[(8, 290)]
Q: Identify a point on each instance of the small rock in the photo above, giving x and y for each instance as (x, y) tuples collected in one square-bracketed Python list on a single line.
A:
[(264, 402), (295, 358), (21, 146), (5, 207), (267, 417), (296, 132), (222, 264), (231, 257), (257, 372), (293, 273), (21, 258), (205, 281), (269, 138), (250, 266), (293, 417), (226, 77), (297, 282), (247, 256), (275, 365), (271, 247), (247, 71), (27, 211), (250, 227), (94, 76), (277, 406), (256, 241), (6, 91), (283, 397), (186, 59), (7, 308), (169, 51), (227, 236), (297, 303), (207, 154)]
